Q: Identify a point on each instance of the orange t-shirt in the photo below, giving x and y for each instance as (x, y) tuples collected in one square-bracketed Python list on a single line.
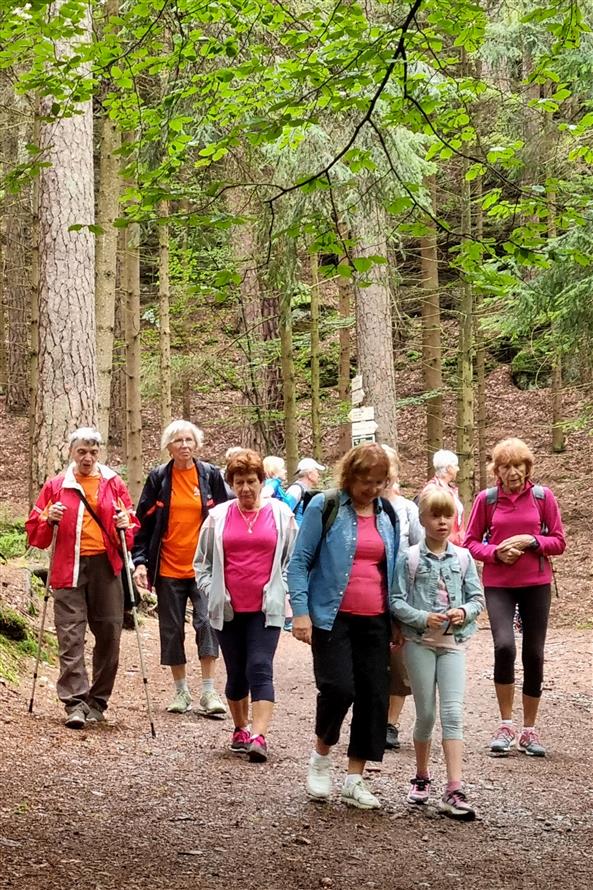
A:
[(178, 546), (91, 538)]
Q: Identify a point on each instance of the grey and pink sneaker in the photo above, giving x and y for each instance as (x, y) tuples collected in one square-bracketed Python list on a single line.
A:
[(257, 751), (529, 743), (454, 804), (502, 741), (240, 740)]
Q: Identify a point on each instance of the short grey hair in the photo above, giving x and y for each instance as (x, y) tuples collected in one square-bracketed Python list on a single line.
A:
[(181, 426), (85, 434), (443, 459)]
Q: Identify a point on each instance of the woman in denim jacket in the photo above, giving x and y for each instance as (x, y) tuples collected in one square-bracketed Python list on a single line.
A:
[(436, 598), (339, 576)]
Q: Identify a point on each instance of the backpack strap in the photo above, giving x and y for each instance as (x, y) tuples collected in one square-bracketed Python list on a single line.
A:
[(463, 557), (299, 503)]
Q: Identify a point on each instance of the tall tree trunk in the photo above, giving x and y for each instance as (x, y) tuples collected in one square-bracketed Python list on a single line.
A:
[(117, 401), (67, 386), (558, 437), (132, 333), (344, 304), (164, 320), (374, 322), (106, 247), (465, 392), (315, 384), (3, 326), (480, 356), (288, 383), (34, 308), (431, 334)]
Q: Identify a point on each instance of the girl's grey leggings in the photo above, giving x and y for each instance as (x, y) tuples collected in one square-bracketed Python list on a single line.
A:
[(428, 669)]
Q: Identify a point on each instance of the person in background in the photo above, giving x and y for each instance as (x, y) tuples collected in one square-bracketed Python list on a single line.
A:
[(240, 566), (436, 598), (275, 470), (308, 476), (410, 532), (338, 579), (229, 453), (446, 468), (85, 571), (513, 529), (173, 505)]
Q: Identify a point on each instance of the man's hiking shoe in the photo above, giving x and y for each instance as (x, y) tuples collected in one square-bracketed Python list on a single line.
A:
[(181, 703), (211, 705), (76, 718), (392, 738)]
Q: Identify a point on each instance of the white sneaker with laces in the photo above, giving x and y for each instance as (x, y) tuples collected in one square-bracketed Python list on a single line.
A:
[(319, 783), (211, 705), (181, 703), (356, 794)]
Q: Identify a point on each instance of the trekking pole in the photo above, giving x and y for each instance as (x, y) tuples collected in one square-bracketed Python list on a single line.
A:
[(43, 614), (126, 559)]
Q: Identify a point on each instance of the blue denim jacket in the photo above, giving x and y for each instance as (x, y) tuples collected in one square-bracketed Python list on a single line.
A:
[(316, 586), (411, 602)]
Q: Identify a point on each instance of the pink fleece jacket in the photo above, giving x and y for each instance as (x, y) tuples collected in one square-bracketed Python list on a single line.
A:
[(515, 514)]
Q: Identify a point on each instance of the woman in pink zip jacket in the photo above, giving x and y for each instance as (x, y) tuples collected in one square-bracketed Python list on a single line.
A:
[(513, 529)]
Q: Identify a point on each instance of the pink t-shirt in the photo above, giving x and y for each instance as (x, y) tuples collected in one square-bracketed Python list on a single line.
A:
[(248, 556), (366, 593)]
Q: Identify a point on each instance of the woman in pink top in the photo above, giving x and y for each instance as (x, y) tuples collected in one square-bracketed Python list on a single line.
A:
[(241, 561), (513, 529)]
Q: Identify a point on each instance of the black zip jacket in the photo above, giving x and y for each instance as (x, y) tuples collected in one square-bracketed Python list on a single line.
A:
[(153, 510)]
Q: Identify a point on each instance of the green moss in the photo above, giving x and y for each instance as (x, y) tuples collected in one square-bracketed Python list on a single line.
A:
[(12, 624), (13, 540)]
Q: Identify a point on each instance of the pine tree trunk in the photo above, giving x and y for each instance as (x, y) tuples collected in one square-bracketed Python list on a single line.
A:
[(344, 304), (288, 383), (164, 321), (315, 384), (67, 385), (34, 309), (117, 400), (374, 322), (132, 334), (558, 437), (465, 392), (3, 327), (431, 335), (106, 247)]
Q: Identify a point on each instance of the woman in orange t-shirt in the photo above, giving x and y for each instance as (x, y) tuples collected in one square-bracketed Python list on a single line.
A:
[(173, 504)]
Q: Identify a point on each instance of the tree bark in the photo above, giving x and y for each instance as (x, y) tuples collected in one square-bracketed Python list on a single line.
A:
[(67, 384), (431, 335), (164, 320), (344, 309), (132, 333), (315, 385), (106, 247), (288, 383), (117, 400), (465, 391), (374, 322)]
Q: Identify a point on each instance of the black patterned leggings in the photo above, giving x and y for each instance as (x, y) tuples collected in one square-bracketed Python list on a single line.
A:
[(534, 609)]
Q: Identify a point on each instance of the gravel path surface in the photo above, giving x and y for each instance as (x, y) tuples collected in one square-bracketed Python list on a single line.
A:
[(109, 808)]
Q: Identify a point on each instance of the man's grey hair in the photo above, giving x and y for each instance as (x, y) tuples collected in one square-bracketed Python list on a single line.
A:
[(178, 427), (443, 459), (85, 434)]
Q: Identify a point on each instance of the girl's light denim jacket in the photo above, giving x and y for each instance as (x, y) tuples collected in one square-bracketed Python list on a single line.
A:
[(412, 601), (316, 586)]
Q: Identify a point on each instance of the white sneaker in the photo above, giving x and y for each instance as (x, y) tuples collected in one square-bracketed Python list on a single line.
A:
[(181, 703), (211, 705), (319, 783), (358, 795)]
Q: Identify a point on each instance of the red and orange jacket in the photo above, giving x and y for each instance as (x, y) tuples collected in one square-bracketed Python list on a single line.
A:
[(113, 495)]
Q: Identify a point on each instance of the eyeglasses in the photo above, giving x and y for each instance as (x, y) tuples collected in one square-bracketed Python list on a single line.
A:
[(189, 440)]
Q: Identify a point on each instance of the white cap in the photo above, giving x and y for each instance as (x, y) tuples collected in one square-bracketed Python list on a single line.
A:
[(307, 464)]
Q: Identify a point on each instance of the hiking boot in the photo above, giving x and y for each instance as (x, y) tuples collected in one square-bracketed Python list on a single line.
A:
[(211, 705), (95, 715), (181, 703), (420, 790), (455, 805), (502, 741), (240, 740), (529, 743), (257, 751), (76, 718), (392, 738), (358, 795), (319, 783)]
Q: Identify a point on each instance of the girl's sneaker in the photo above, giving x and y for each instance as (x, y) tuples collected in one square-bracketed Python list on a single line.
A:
[(257, 750), (455, 805), (240, 740), (420, 790)]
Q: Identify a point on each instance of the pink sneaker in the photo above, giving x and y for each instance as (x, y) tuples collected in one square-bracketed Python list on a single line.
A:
[(240, 740), (502, 740), (258, 749), (420, 790), (529, 743)]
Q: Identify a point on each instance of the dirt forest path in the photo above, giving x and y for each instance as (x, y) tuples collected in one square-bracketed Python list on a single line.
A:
[(112, 809)]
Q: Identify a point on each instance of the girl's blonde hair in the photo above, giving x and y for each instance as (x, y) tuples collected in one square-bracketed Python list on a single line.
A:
[(436, 501), (273, 466)]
